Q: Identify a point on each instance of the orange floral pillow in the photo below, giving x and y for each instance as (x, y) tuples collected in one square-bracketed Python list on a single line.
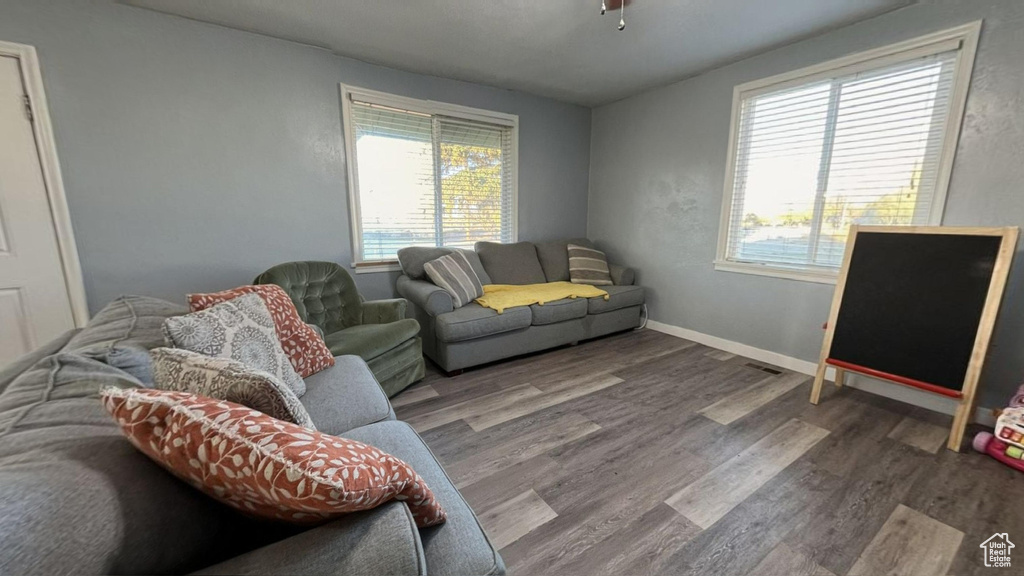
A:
[(303, 346), (264, 466)]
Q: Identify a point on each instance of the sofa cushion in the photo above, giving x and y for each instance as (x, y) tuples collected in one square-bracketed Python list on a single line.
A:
[(241, 329), (54, 386), (77, 497), (264, 466), (128, 320), (619, 297), (622, 275), (558, 311), (459, 547), (227, 379), (121, 328), (384, 540), (413, 258), (554, 257), (371, 340), (474, 321), (511, 263), (345, 396)]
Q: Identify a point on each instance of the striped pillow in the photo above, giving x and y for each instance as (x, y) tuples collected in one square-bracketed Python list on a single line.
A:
[(454, 273), (588, 266)]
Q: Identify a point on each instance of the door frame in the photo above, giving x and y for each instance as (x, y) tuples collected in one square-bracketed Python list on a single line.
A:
[(42, 128)]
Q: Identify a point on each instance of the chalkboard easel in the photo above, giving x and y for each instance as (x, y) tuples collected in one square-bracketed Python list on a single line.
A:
[(916, 305)]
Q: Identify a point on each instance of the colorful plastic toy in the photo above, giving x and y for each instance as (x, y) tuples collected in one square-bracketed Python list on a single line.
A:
[(1007, 444)]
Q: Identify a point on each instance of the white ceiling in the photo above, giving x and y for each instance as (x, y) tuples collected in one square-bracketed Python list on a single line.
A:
[(563, 49)]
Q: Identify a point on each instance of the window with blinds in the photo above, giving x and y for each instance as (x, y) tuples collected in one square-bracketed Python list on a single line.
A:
[(860, 144), (427, 178)]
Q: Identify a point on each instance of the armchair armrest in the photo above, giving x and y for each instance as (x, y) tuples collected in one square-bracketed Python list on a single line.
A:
[(429, 297), (622, 275), (384, 311), (379, 541), (319, 331)]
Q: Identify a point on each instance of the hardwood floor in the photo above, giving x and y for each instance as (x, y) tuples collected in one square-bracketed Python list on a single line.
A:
[(643, 453)]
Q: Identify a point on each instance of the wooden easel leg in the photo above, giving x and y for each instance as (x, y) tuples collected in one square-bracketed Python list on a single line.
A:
[(819, 378), (960, 420), (840, 377)]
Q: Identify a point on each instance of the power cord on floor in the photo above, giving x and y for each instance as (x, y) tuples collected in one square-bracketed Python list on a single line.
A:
[(643, 316)]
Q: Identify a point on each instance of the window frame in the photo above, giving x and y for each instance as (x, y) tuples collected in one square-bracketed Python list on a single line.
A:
[(964, 38), (432, 107)]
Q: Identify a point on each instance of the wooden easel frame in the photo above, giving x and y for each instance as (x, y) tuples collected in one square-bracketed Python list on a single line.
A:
[(1000, 273)]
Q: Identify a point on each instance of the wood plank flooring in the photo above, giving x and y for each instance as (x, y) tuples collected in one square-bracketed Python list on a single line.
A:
[(507, 521), (705, 502), (920, 435), (642, 453), (784, 561), (737, 405), (909, 543)]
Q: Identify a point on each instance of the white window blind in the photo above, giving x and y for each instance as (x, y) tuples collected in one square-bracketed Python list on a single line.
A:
[(426, 179), (475, 181), (811, 158)]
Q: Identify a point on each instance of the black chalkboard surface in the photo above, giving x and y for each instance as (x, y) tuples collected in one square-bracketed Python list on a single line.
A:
[(913, 303), (916, 305)]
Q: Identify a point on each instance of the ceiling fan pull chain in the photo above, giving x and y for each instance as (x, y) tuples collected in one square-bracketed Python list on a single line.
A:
[(622, 16)]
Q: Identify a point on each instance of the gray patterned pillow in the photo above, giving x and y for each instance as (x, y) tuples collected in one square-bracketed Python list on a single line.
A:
[(225, 379), (241, 329)]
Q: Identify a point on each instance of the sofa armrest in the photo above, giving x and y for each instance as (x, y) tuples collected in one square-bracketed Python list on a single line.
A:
[(379, 541), (27, 360), (432, 299), (622, 275), (384, 311)]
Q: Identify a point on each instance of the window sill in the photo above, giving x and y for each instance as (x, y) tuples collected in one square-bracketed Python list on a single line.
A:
[(376, 267), (820, 277)]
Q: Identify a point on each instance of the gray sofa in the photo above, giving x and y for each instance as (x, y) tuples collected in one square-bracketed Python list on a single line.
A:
[(474, 335), (76, 497)]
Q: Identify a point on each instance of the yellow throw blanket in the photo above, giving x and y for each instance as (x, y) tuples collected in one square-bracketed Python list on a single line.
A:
[(501, 296)]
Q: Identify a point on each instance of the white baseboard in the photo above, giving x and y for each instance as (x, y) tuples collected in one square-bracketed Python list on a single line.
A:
[(896, 392)]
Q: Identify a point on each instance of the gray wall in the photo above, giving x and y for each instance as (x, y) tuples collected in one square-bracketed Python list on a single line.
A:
[(196, 156), (658, 165)]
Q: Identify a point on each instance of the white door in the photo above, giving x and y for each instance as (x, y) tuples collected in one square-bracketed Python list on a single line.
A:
[(34, 300)]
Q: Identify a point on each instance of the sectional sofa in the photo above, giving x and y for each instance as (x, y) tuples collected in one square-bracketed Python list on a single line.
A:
[(472, 335), (77, 498)]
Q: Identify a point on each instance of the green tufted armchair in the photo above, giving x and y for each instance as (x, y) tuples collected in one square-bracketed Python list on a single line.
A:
[(377, 331)]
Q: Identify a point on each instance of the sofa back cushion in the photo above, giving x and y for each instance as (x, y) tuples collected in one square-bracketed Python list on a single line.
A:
[(123, 331), (413, 258), (77, 497), (511, 263), (554, 257)]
